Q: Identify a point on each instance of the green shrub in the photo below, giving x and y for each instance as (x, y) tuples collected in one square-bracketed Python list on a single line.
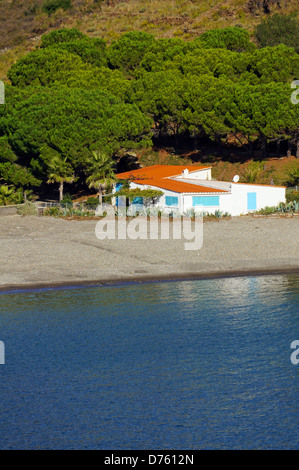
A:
[(231, 38), (292, 176), (268, 210), (153, 194), (10, 195), (217, 214), (282, 208), (92, 202), (53, 211), (66, 201), (60, 36), (293, 196), (50, 6), (278, 29)]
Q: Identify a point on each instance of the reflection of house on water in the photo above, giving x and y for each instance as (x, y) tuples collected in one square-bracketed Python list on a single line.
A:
[(236, 294)]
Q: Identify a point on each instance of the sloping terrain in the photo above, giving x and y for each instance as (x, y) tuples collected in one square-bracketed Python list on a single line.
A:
[(22, 20)]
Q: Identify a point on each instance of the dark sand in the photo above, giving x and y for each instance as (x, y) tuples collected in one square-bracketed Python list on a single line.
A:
[(45, 251)]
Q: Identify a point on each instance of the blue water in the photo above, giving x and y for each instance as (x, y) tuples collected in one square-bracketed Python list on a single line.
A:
[(181, 365)]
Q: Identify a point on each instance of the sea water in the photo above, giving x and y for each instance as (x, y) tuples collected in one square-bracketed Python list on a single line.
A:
[(199, 364)]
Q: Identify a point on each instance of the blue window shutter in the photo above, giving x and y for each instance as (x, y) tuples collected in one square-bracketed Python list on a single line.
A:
[(171, 201), (118, 186), (251, 201), (196, 201), (205, 201), (137, 200), (119, 203)]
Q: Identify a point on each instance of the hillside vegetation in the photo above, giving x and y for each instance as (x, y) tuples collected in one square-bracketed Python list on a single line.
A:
[(76, 95), (23, 22)]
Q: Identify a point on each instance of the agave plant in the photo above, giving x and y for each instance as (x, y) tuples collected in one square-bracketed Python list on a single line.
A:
[(252, 173)]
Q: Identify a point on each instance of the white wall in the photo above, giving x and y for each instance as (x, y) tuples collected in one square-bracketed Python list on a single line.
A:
[(226, 203), (198, 174), (265, 196), (161, 202), (235, 202)]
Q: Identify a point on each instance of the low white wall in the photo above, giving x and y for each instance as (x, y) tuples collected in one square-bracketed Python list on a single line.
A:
[(235, 202), (199, 174), (265, 196)]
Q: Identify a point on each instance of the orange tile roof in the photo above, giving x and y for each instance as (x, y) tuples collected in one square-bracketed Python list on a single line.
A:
[(178, 186), (259, 184), (159, 176), (159, 171)]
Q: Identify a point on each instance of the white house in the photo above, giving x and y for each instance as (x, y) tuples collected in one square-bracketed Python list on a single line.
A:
[(191, 187)]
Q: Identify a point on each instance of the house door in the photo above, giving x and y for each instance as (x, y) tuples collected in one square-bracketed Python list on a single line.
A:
[(251, 201)]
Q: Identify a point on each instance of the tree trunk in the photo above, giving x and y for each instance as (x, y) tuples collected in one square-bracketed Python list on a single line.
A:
[(100, 197), (277, 148), (251, 149), (195, 140), (219, 144), (264, 147), (297, 149), (60, 191)]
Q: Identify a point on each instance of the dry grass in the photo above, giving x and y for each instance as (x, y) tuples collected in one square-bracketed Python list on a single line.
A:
[(9, 57), (275, 169), (167, 18), (21, 20)]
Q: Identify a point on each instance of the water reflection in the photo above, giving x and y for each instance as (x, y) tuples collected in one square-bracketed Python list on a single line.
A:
[(180, 365)]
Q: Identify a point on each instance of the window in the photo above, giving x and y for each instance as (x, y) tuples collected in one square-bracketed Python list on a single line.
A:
[(205, 201), (118, 186), (251, 201), (137, 200), (172, 201)]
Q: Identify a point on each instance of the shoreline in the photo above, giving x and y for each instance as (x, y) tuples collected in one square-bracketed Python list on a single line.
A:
[(175, 277), (47, 253)]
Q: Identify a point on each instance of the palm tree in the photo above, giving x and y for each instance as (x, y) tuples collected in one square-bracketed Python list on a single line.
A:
[(6, 193), (60, 171), (293, 176), (101, 175)]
